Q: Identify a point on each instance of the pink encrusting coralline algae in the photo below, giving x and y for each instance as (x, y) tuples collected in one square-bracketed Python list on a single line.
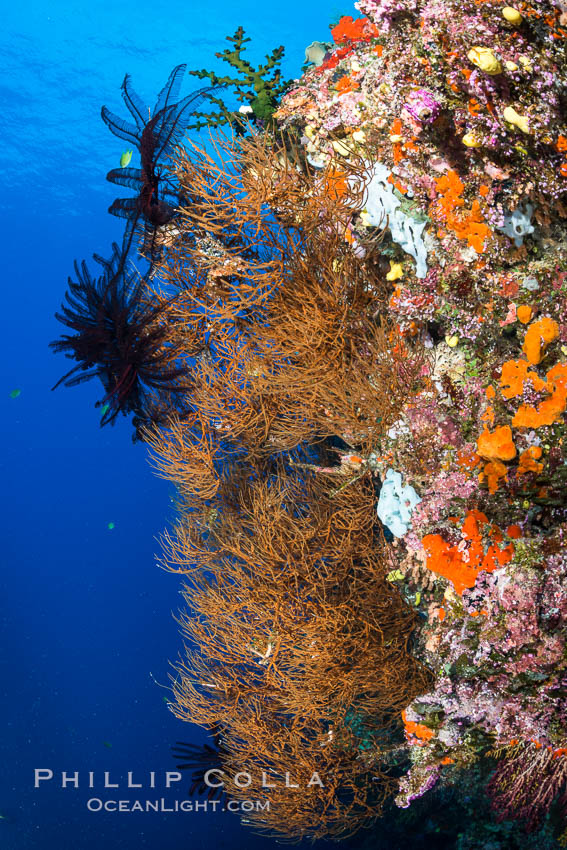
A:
[(457, 109)]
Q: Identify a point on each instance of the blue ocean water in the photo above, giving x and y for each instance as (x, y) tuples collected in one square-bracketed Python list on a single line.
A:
[(86, 615)]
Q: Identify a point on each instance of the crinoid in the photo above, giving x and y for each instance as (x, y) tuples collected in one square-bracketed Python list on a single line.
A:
[(120, 337), (201, 760), (155, 136)]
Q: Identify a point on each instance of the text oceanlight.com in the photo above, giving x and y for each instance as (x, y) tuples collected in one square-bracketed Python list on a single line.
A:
[(95, 804)]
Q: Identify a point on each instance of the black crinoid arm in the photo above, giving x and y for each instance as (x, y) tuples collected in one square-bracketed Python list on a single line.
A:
[(122, 338), (200, 760), (155, 135)]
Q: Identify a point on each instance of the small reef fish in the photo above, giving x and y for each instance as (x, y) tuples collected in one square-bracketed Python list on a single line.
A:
[(111, 526), (125, 158), (15, 393)]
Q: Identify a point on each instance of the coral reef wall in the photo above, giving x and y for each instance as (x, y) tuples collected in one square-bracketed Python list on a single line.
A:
[(350, 355), (459, 111)]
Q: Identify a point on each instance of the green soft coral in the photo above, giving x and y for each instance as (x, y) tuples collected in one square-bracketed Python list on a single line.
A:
[(260, 88)]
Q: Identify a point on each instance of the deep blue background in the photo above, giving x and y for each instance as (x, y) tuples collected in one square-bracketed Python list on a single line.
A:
[(85, 611)]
